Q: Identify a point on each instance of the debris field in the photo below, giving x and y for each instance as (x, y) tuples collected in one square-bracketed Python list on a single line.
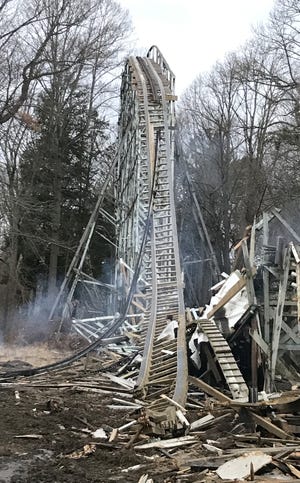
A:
[(83, 423)]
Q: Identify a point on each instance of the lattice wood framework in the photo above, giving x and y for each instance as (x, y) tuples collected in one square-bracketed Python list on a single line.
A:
[(145, 200)]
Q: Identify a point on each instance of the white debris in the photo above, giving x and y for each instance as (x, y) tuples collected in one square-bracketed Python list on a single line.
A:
[(169, 331), (240, 467), (99, 434)]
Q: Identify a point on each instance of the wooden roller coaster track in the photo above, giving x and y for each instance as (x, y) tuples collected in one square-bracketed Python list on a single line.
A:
[(147, 186)]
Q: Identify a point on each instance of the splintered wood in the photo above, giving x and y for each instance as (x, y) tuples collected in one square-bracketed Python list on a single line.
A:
[(217, 438)]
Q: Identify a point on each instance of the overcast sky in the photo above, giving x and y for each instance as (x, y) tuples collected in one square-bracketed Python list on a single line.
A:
[(194, 34)]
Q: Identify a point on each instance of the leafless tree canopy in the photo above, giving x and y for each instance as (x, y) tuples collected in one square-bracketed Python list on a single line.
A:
[(60, 62), (91, 32), (239, 129)]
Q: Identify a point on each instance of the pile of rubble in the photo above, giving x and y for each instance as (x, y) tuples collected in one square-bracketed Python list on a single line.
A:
[(221, 439)]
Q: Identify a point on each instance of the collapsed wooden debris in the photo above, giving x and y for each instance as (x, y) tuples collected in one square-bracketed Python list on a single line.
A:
[(254, 311), (223, 439)]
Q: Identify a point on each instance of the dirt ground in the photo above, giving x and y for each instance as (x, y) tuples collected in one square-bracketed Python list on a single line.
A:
[(48, 420), (43, 428)]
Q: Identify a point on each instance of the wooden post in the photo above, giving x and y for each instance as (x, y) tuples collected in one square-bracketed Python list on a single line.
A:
[(279, 312), (298, 294), (254, 364), (266, 289), (254, 322)]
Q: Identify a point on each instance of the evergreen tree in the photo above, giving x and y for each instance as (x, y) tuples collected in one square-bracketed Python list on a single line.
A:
[(58, 172)]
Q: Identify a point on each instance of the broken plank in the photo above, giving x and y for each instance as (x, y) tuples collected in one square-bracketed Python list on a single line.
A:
[(127, 408), (293, 470), (202, 422), (228, 296), (240, 468), (171, 401), (181, 417), (259, 341), (268, 450), (168, 443), (216, 461), (258, 439), (121, 381), (263, 422), (209, 389)]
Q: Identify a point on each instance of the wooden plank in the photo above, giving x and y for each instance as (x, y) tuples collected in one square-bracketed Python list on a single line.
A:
[(266, 450), (222, 398), (212, 391), (211, 363), (139, 306), (266, 282), (244, 465), (228, 296), (254, 322), (252, 243), (181, 417), (289, 347), (249, 275), (259, 439), (259, 341), (295, 253), (202, 422), (273, 271), (169, 443), (290, 332), (298, 294), (293, 470), (266, 424), (279, 312), (174, 403)]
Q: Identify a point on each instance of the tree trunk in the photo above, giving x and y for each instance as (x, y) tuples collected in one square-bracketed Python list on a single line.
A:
[(10, 303), (56, 222)]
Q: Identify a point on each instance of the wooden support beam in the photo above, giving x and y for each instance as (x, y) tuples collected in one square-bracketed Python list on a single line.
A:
[(228, 296), (266, 424), (212, 391), (295, 253), (249, 274), (252, 244), (279, 311), (259, 341), (290, 332), (211, 363), (255, 325), (289, 347), (266, 282), (298, 294), (263, 422)]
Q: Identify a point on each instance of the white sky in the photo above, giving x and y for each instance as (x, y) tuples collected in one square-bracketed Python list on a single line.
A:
[(193, 34)]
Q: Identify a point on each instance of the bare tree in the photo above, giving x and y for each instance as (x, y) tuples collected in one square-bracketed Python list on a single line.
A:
[(55, 48), (209, 108), (94, 29)]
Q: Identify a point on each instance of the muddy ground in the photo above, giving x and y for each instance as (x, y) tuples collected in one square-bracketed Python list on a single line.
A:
[(44, 429), (48, 420)]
